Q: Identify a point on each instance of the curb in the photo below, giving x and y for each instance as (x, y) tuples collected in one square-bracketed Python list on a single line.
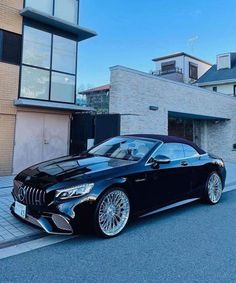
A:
[(21, 240)]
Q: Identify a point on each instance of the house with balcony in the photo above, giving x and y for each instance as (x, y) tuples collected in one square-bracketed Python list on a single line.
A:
[(221, 77), (38, 70), (97, 98), (180, 67)]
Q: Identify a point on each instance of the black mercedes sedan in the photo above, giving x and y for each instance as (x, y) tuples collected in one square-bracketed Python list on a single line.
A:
[(122, 177)]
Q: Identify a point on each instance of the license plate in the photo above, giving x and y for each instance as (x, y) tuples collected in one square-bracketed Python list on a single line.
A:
[(20, 209)]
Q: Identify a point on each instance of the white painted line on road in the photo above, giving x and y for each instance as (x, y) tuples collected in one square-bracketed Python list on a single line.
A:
[(33, 245)]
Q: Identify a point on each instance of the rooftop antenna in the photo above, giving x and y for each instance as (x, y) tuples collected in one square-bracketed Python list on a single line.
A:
[(192, 42)]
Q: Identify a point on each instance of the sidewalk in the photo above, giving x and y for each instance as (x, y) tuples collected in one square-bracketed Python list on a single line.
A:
[(13, 230)]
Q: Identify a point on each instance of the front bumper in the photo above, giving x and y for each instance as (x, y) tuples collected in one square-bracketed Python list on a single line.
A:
[(52, 223)]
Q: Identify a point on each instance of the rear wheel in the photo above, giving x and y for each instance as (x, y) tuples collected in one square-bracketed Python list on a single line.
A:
[(112, 213), (214, 188)]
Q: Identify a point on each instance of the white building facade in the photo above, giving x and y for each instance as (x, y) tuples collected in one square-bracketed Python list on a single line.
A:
[(181, 67), (221, 77)]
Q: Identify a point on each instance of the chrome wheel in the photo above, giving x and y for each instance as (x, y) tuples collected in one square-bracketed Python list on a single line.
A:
[(113, 213), (214, 188)]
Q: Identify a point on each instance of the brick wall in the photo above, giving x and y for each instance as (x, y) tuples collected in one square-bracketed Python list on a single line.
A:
[(10, 20), (7, 129), (9, 80), (9, 15), (132, 92)]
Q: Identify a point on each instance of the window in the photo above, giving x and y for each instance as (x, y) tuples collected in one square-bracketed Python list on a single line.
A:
[(234, 90), (34, 83), (37, 47), (70, 13), (189, 151), (45, 6), (10, 47), (214, 88), (171, 150), (62, 87), (63, 9), (48, 66), (193, 71), (123, 148), (64, 54), (168, 66)]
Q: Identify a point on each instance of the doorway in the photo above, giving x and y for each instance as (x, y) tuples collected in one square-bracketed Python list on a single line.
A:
[(39, 137)]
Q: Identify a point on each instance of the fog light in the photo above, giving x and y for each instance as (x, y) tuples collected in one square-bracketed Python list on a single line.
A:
[(61, 222)]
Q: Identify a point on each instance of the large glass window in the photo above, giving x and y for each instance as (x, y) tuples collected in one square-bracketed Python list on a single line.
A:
[(34, 83), (48, 66), (64, 9), (41, 5), (64, 54), (69, 13), (62, 87), (37, 47)]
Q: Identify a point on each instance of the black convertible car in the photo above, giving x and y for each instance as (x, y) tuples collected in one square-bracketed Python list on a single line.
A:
[(122, 177)]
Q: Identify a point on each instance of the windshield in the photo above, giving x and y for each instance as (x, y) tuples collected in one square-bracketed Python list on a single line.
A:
[(124, 148)]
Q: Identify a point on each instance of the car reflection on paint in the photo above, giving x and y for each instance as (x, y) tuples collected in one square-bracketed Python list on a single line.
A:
[(122, 177)]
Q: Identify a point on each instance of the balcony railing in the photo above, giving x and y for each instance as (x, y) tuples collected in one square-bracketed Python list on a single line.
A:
[(170, 71)]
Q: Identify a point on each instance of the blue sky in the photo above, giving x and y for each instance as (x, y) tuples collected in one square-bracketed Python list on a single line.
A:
[(133, 32)]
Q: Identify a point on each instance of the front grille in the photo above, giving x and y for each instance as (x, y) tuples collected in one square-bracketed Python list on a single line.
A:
[(28, 195)]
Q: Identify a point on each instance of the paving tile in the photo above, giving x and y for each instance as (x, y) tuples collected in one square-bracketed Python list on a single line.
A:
[(11, 228)]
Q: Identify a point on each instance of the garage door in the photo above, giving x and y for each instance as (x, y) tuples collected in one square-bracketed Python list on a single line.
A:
[(39, 137)]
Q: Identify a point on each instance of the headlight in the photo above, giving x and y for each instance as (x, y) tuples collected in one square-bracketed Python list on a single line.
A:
[(75, 191)]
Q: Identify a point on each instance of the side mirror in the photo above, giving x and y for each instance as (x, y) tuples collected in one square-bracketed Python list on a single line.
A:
[(160, 159)]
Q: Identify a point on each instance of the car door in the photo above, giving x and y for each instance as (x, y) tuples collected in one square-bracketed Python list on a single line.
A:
[(170, 181), (197, 170)]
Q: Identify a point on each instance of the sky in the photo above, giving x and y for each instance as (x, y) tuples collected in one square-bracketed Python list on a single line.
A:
[(133, 32)]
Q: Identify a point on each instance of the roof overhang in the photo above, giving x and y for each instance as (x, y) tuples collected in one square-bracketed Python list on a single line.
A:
[(78, 31), (174, 55), (51, 105), (219, 82), (196, 116)]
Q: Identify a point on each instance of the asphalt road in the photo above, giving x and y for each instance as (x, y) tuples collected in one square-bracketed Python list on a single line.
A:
[(192, 243)]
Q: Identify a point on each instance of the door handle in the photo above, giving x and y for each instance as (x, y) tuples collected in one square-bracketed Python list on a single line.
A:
[(184, 163)]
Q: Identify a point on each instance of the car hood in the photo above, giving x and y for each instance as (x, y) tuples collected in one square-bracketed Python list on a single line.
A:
[(71, 168)]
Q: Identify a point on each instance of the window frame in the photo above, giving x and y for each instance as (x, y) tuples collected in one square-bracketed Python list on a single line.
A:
[(52, 31), (193, 65), (167, 64)]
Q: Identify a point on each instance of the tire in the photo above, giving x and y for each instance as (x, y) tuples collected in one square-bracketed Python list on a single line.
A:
[(213, 189), (112, 213)]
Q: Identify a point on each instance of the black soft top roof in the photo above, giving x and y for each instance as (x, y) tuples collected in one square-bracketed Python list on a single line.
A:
[(168, 139)]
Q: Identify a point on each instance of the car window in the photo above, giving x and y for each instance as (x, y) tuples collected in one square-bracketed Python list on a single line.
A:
[(189, 151), (124, 148), (171, 150)]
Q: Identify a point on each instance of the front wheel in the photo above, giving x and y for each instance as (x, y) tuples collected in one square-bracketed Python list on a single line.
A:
[(214, 188), (112, 213)]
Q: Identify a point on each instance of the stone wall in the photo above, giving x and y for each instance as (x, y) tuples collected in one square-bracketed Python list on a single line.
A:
[(132, 92)]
